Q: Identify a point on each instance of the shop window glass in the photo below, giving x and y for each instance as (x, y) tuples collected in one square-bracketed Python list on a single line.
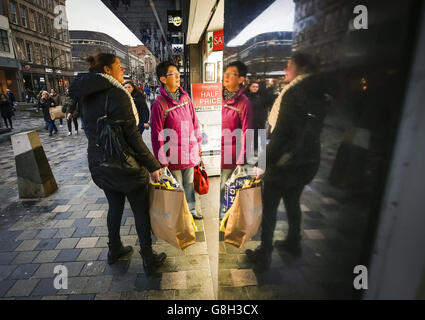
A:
[(29, 52), (13, 13), (24, 16)]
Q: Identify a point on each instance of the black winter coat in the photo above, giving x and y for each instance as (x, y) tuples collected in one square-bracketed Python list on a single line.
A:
[(142, 108), (259, 110), (46, 105), (70, 106), (6, 109), (295, 141), (91, 90)]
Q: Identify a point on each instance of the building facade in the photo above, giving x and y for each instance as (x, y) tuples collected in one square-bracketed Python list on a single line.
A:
[(41, 39), (85, 43), (148, 21), (149, 61), (136, 68), (9, 66)]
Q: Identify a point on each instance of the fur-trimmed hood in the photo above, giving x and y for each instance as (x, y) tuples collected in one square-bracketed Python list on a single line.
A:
[(90, 83)]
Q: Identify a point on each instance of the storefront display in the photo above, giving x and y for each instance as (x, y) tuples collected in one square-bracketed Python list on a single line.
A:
[(207, 100)]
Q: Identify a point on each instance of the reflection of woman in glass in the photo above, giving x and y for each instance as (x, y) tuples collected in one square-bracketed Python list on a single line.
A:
[(293, 154)]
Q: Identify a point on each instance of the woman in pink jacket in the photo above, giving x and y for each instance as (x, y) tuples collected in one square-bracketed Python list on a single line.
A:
[(176, 137), (235, 114)]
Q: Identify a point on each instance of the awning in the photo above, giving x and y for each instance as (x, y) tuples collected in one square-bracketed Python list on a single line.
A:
[(217, 21), (9, 63), (199, 15)]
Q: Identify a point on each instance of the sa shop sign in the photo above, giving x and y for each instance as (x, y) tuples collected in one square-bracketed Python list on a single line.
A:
[(218, 40)]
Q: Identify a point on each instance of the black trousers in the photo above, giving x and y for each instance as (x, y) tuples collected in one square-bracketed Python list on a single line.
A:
[(139, 203), (69, 122), (288, 187), (10, 121)]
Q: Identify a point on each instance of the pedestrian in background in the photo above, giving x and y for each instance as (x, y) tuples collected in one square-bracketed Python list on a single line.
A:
[(292, 156), (45, 103), (70, 106), (235, 114), (259, 111), (6, 110), (28, 95), (10, 96), (147, 91), (58, 102), (101, 89), (174, 110), (142, 107)]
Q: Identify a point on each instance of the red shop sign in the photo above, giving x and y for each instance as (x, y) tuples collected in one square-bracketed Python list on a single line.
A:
[(206, 95), (218, 40)]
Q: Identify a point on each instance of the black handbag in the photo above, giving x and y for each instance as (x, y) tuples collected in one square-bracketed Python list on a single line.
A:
[(118, 170)]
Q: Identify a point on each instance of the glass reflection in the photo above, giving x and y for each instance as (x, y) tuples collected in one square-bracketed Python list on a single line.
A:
[(359, 86)]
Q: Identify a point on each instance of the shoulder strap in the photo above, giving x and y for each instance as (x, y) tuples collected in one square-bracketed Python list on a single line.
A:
[(106, 104), (167, 110), (163, 103), (238, 108), (105, 109)]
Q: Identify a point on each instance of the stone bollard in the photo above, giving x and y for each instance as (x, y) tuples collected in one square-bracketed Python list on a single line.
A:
[(35, 178)]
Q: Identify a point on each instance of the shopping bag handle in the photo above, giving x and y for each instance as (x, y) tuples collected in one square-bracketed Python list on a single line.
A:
[(166, 173), (238, 172)]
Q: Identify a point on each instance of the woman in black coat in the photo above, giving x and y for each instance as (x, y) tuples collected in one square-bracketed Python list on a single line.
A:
[(6, 110), (259, 111), (46, 103), (292, 156), (140, 101), (99, 88)]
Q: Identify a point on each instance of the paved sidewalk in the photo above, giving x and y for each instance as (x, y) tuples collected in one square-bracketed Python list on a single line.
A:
[(23, 121), (69, 228)]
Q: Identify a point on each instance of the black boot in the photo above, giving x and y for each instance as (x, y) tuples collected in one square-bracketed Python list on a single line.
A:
[(291, 245), (151, 259), (261, 258), (117, 250)]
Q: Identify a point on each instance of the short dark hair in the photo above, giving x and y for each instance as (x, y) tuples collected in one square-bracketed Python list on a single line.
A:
[(99, 61), (162, 69), (307, 62), (242, 69)]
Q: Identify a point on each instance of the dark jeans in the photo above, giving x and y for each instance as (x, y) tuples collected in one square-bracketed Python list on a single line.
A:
[(61, 121), (289, 186), (271, 199), (139, 203), (69, 122), (52, 126), (10, 121)]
